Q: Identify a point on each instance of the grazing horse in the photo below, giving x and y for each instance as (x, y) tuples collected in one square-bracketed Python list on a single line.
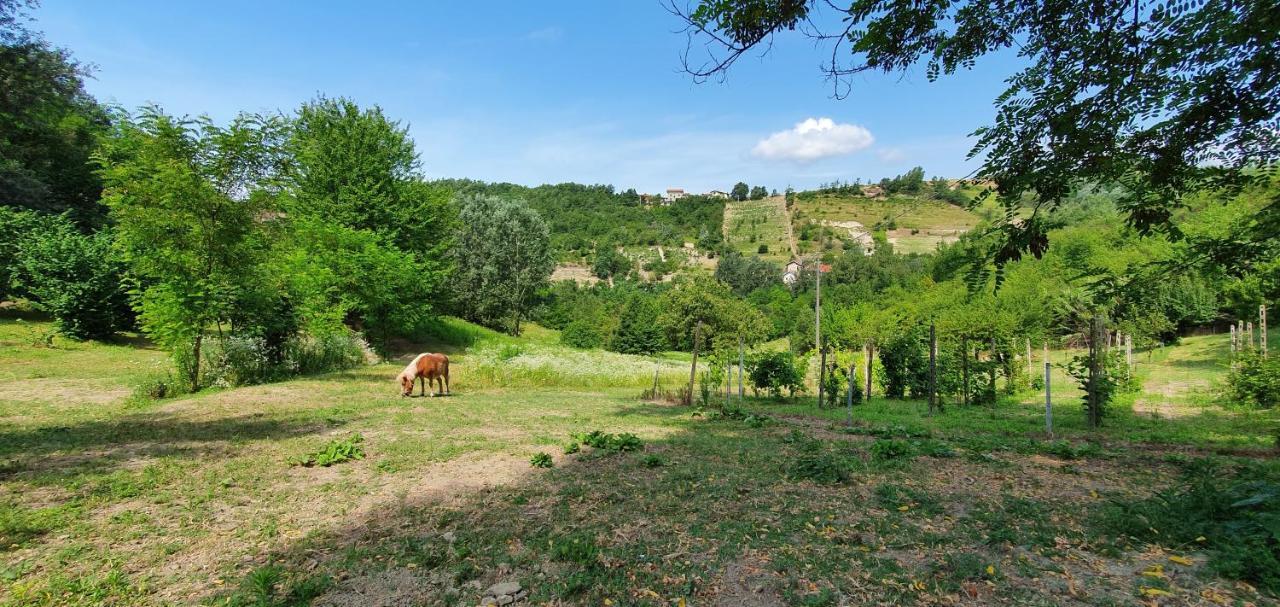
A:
[(432, 368)]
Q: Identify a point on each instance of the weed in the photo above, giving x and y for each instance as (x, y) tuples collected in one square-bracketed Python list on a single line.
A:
[(336, 452), (819, 466), (606, 441), (652, 461), (1066, 450), (571, 447), (541, 460), (579, 548), (886, 449)]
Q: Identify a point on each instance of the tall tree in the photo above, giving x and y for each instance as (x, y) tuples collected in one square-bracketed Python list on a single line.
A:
[(187, 197), (1164, 98), (740, 191), (358, 168), (49, 125), (503, 256)]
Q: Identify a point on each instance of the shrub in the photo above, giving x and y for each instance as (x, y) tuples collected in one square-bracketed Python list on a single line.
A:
[(652, 461), (336, 452), (541, 460), (762, 249), (240, 360), (1255, 381), (775, 372), (159, 386), (77, 279), (583, 333)]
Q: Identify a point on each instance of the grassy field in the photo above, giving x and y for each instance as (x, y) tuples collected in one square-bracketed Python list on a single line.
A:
[(106, 500), (752, 223)]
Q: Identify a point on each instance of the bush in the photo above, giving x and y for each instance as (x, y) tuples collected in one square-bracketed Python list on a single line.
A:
[(583, 333), (762, 249), (77, 279), (245, 360), (776, 371), (336, 452), (1255, 381)]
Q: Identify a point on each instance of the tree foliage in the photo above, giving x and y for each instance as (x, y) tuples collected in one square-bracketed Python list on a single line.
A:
[(503, 257)]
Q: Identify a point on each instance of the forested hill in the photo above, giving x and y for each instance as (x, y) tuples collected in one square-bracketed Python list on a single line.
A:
[(583, 218)]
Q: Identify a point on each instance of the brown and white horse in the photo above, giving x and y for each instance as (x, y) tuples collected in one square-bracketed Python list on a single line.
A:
[(431, 368)]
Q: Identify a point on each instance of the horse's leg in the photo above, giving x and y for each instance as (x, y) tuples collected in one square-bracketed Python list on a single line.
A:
[(424, 386), (433, 387), (446, 381)]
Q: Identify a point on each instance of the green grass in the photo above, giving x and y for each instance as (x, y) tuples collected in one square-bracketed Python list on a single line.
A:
[(193, 500)]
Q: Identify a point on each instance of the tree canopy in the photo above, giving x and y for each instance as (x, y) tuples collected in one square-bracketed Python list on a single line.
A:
[(1161, 98)]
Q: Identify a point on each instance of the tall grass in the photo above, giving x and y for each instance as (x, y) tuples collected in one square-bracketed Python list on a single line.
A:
[(537, 365)]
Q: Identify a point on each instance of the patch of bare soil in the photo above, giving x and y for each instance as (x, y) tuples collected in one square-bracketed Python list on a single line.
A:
[(747, 582), (391, 588), (579, 274)]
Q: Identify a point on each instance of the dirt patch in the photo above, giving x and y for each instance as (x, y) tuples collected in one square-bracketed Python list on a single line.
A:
[(579, 274), (392, 588), (747, 582)]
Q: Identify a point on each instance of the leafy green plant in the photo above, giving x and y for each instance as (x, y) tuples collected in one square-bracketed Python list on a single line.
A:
[(652, 461), (775, 372), (541, 460), (818, 464), (571, 447), (891, 448), (336, 451), (1255, 381), (606, 441)]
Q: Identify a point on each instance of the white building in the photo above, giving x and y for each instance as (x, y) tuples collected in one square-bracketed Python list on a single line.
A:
[(674, 194)]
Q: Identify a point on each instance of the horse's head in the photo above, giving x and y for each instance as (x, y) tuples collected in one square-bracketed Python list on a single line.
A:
[(406, 384)]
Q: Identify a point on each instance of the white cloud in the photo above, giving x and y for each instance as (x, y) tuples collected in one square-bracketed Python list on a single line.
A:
[(812, 139)]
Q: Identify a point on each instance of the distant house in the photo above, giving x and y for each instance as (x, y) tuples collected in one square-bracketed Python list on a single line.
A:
[(674, 194), (872, 191), (792, 274), (717, 194)]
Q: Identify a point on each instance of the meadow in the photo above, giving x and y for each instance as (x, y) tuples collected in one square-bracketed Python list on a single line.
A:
[(108, 499)]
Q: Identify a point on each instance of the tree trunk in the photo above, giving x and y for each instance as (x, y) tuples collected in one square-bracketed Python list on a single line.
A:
[(741, 364), (964, 367), (195, 363), (693, 368)]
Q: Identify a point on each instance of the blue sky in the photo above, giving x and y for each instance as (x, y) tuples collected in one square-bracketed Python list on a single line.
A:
[(533, 92)]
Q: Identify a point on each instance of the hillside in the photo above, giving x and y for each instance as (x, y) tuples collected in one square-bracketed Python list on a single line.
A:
[(913, 223), (758, 227)]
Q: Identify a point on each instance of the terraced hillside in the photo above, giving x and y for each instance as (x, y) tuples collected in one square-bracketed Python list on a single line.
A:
[(758, 227), (911, 224)]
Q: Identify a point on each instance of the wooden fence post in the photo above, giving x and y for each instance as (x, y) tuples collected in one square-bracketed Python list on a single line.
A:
[(933, 367), (1248, 331), (1048, 400), (853, 385), (1096, 350), (1031, 368), (871, 361), (1262, 329), (741, 366)]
